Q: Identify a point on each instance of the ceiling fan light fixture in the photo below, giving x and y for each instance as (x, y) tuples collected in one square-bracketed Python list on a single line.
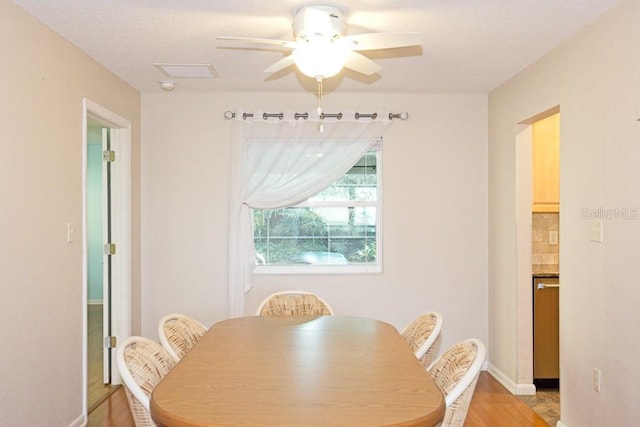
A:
[(321, 46), (320, 58)]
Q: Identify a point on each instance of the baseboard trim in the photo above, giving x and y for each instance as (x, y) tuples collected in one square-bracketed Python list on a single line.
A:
[(79, 422), (517, 389), (561, 424), (502, 378), (525, 389)]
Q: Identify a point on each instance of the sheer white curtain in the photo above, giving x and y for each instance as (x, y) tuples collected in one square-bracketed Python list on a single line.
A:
[(281, 162)]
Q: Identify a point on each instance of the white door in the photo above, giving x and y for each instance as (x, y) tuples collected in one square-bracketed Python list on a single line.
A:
[(117, 268), (116, 228), (107, 356)]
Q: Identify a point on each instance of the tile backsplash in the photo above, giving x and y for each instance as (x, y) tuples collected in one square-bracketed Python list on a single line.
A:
[(545, 226)]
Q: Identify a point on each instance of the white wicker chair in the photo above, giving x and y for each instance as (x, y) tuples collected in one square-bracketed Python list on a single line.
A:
[(178, 333), (423, 336), (456, 373), (142, 364), (293, 303)]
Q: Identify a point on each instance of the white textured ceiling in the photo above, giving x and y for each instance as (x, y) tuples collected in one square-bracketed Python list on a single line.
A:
[(469, 45)]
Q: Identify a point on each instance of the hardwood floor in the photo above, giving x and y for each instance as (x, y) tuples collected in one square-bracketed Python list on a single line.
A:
[(492, 406), (112, 412)]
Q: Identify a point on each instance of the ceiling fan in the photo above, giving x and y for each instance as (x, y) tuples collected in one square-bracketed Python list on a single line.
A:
[(321, 48)]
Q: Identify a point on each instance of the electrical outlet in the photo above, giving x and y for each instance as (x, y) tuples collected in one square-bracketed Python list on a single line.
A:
[(596, 380)]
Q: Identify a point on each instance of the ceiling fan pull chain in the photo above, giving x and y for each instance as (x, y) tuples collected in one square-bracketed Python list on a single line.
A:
[(319, 80)]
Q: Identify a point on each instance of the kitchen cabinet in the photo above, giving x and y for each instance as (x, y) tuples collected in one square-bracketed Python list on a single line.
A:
[(546, 164), (546, 331)]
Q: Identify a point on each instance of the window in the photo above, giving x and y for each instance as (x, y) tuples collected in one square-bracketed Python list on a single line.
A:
[(336, 230)]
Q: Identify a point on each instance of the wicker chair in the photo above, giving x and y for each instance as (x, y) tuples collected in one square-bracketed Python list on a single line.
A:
[(293, 303), (456, 373), (142, 364), (423, 336), (178, 333)]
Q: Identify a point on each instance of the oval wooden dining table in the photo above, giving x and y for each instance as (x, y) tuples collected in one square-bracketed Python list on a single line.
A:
[(298, 371)]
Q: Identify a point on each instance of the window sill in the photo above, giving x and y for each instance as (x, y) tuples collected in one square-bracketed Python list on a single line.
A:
[(316, 269)]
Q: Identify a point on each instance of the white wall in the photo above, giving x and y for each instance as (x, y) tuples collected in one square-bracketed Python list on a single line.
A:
[(435, 210), (44, 80), (594, 79)]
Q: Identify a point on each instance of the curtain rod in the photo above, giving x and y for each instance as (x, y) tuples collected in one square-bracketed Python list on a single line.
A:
[(402, 116)]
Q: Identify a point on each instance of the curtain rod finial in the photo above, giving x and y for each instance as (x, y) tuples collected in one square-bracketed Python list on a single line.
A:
[(402, 116)]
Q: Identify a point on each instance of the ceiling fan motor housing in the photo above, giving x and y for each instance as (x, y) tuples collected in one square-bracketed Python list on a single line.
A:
[(322, 47), (304, 29)]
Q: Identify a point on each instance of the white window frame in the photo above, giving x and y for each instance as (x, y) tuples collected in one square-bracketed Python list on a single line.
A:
[(339, 269)]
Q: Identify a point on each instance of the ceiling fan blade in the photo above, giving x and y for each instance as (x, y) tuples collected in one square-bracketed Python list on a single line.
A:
[(280, 65), (361, 64), (371, 41), (288, 44)]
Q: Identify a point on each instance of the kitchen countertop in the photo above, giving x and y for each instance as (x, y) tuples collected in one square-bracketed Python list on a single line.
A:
[(545, 270), (547, 275)]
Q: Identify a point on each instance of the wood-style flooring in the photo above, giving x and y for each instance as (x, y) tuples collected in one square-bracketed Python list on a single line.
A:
[(492, 406)]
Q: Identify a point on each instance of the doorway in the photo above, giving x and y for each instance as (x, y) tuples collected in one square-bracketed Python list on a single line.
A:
[(99, 384), (537, 219), (545, 244), (106, 248)]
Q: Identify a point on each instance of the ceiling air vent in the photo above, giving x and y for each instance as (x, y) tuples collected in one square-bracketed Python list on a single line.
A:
[(188, 70)]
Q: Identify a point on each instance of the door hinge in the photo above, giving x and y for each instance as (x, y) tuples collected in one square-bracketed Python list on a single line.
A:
[(109, 156), (110, 342), (110, 249)]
